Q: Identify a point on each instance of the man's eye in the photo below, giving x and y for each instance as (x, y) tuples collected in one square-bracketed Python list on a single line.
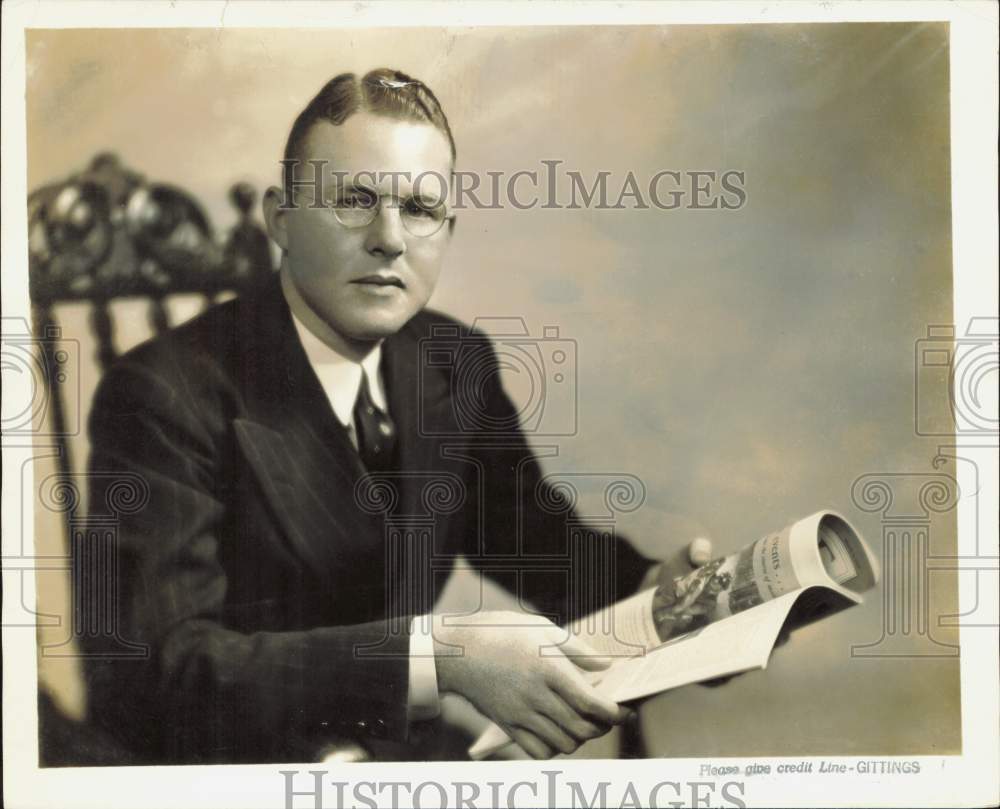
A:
[(422, 211), (357, 200)]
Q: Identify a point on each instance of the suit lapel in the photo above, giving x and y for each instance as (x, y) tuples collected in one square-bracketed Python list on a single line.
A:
[(296, 447), (414, 397), (301, 454)]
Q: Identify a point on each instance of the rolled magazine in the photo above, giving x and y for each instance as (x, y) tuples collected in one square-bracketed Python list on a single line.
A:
[(724, 617)]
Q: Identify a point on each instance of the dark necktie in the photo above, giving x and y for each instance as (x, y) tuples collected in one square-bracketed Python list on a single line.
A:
[(374, 429)]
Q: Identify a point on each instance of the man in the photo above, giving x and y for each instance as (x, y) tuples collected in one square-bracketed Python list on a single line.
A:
[(279, 604)]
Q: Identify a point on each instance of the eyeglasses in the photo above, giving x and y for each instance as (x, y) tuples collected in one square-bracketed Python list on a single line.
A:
[(358, 207)]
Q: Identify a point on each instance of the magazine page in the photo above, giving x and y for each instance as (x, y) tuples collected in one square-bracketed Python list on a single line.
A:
[(822, 549), (726, 647), (723, 617)]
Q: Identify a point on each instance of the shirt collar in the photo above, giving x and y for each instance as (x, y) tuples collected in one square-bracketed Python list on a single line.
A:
[(339, 376)]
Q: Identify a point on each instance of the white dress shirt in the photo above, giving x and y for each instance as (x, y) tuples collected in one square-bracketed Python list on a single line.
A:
[(340, 379)]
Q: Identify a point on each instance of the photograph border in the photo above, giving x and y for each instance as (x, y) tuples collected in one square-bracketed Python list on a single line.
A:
[(968, 779)]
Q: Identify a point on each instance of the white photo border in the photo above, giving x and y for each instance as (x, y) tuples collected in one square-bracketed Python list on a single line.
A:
[(963, 780)]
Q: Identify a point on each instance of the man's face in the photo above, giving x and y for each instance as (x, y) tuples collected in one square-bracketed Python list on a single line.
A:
[(366, 282)]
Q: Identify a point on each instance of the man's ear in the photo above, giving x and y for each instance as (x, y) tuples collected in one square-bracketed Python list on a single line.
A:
[(275, 219)]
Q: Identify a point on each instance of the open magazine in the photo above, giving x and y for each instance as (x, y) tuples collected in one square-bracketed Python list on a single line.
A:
[(724, 617)]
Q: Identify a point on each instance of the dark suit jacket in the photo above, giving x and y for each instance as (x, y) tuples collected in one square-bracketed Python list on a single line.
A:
[(269, 578)]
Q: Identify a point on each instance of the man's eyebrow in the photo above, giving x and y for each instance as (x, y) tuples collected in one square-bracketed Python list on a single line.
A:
[(424, 197), (354, 187)]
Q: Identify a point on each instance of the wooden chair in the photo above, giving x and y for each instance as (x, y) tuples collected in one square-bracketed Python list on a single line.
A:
[(103, 234)]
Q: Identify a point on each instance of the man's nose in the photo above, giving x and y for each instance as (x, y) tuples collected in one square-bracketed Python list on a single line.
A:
[(386, 236)]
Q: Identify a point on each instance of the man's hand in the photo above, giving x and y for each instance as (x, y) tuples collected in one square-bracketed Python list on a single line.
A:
[(529, 679), (686, 590), (698, 552)]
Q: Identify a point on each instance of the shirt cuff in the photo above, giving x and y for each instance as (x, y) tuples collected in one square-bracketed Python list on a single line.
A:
[(423, 701)]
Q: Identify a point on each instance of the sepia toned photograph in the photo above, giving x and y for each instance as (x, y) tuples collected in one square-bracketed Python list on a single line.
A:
[(501, 394)]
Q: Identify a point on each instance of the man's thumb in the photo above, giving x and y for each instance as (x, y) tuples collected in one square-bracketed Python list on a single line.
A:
[(695, 554)]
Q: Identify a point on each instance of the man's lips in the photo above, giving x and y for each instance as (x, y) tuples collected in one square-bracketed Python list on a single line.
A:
[(381, 281)]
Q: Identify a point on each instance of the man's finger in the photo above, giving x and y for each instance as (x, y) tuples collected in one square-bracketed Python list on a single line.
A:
[(577, 726), (530, 743), (697, 553), (549, 732), (700, 551), (584, 699)]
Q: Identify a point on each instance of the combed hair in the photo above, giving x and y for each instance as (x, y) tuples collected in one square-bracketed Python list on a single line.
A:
[(382, 91)]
